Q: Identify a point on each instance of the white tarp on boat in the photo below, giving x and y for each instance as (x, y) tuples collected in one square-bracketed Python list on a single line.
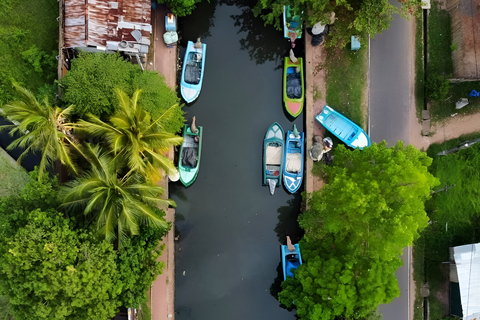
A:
[(273, 155)]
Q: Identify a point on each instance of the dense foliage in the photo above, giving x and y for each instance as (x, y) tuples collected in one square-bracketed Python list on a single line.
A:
[(181, 8), (118, 204), (134, 138), (355, 229), (29, 38), (91, 83), (40, 127), (52, 269), (361, 18)]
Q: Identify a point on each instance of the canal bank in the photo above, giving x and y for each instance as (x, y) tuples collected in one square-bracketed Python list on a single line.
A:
[(165, 62)]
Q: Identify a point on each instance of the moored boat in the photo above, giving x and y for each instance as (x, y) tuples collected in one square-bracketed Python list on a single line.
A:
[(294, 160), (193, 70), (293, 86), (273, 148), (343, 128), (292, 23), (190, 154), (291, 258)]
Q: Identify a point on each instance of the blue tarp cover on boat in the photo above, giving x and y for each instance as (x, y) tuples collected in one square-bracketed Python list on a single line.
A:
[(294, 86)]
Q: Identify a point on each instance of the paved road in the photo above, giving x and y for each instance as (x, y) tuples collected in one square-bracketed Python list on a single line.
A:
[(390, 88)]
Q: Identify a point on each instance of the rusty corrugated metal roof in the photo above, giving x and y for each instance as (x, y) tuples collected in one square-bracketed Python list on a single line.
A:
[(94, 22)]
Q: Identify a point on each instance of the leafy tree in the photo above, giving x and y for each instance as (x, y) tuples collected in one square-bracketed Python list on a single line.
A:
[(138, 264), (335, 284), (355, 229), (118, 204), (48, 271), (91, 83), (181, 8), (157, 98), (361, 18), (373, 201), (134, 137), (41, 127)]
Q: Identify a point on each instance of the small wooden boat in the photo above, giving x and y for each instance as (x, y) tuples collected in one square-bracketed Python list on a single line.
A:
[(190, 153), (343, 128), (273, 148), (292, 23), (294, 159), (293, 86), (193, 70), (291, 258)]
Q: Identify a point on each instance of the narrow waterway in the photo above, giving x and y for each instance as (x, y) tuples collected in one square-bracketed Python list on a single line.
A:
[(229, 227)]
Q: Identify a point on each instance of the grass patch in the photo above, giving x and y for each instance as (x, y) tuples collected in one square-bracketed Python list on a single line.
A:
[(146, 313), (419, 67), (345, 92), (431, 250), (29, 36), (13, 176), (439, 41), (442, 110), (317, 94)]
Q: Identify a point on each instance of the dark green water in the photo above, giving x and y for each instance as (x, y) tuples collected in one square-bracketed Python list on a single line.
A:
[(230, 228)]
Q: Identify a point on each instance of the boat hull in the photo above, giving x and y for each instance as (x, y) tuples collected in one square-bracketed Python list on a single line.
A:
[(293, 161), (273, 150), (290, 24), (343, 128), (290, 260), (192, 72), (293, 99), (190, 149)]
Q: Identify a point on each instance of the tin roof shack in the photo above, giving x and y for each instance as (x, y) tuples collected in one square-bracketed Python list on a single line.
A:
[(108, 26), (467, 280)]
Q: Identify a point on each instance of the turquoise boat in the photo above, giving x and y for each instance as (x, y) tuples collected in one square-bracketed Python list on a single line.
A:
[(294, 160), (292, 22), (190, 154), (273, 148), (343, 128), (192, 71), (291, 258)]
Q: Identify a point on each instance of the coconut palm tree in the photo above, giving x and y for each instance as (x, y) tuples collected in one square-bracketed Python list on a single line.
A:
[(41, 127), (134, 138), (120, 205)]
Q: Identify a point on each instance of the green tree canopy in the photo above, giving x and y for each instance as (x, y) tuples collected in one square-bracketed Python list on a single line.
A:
[(371, 207), (333, 284), (373, 201), (134, 137), (360, 18), (49, 271), (91, 83), (118, 204), (181, 8)]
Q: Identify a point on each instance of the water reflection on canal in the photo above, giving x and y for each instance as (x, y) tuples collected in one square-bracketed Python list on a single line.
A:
[(229, 226)]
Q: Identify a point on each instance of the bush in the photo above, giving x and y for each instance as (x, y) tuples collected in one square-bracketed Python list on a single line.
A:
[(437, 87)]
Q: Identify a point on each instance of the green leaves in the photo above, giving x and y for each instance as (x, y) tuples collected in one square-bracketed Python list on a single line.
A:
[(355, 230)]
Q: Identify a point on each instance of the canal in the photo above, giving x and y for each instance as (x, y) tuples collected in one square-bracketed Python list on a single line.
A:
[(228, 227)]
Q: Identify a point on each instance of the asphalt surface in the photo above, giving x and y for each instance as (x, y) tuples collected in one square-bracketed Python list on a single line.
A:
[(390, 102)]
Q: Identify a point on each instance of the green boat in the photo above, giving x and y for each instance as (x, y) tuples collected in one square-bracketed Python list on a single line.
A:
[(273, 149), (190, 152), (293, 86)]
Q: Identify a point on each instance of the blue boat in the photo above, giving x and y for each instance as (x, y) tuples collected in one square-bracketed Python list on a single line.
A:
[(192, 71), (291, 258), (273, 149), (343, 128), (293, 161)]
